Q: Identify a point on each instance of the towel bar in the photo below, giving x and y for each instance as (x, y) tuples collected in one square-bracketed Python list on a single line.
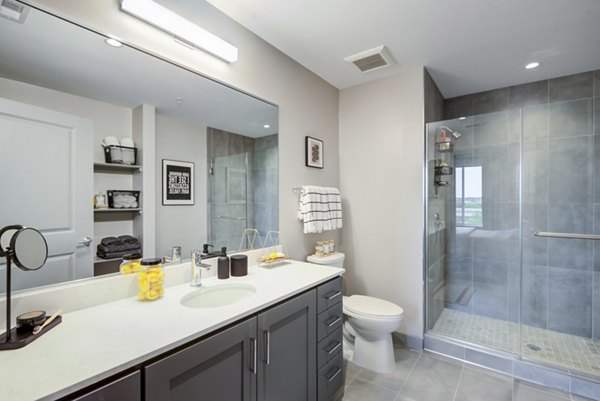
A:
[(566, 235)]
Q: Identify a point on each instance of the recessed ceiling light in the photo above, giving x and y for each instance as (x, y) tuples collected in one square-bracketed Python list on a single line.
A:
[(267, 126), (533, 65), (462, 118), (113, 42)]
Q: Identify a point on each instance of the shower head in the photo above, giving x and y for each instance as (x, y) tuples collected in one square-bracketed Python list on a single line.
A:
[(454, 134)]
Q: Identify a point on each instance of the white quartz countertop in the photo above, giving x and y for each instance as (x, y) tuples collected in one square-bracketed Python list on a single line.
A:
[(95, 343)]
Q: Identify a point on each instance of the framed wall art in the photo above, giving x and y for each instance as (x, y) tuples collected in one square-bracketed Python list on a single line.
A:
[(314, 152), (177, 183)]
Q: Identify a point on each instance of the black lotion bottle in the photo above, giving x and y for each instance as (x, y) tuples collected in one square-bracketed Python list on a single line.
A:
[(223, 265)]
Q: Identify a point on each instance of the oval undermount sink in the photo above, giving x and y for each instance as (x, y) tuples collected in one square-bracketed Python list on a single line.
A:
[(217, 295)]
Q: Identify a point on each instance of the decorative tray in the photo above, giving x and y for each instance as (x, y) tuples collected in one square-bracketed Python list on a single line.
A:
[(264, 261)]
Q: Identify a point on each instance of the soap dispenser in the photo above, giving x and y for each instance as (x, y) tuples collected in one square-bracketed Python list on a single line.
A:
[(223, 264)]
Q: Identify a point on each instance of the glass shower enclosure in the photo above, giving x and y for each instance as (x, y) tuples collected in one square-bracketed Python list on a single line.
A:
[(512, 264)]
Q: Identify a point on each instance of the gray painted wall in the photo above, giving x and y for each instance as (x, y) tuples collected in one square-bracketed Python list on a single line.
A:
[(185, 226)]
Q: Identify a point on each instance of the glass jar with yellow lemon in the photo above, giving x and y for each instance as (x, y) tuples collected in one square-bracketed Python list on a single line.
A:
[(131, 263), (151, 279)]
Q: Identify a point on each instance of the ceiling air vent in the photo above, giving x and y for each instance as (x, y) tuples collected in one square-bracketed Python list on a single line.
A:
[(13, 10), (372, 59)]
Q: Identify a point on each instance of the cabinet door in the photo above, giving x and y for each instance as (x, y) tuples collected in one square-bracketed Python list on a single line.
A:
[(220, 368), (287, 349), (128, 388)]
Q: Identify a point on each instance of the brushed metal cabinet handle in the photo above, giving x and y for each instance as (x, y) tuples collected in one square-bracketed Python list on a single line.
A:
[(254, 355), (267, 335), (337, 372), (334, 348), (334, 295), (335, 321)]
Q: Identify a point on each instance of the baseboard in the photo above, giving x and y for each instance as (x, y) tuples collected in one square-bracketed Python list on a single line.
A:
[(409, 341)]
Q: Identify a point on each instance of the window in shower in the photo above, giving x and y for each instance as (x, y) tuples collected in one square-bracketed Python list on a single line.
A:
[(469, 205)]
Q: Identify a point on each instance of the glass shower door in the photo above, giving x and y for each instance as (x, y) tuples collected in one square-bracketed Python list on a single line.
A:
[(228, 200), (561, 268), (473, 213)]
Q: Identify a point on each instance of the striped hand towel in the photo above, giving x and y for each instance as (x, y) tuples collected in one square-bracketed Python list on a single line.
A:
[(320, 208)]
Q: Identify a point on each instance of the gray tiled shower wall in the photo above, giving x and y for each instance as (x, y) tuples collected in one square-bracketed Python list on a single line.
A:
[(560, 121), (243, 187)]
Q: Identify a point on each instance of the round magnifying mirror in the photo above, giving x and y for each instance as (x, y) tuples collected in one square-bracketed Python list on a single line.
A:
[(30, 249)]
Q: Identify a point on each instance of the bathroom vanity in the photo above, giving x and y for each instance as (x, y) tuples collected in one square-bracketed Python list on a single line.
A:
[(283, 342)]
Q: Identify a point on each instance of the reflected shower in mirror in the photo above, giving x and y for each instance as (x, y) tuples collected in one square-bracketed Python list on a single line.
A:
[(63, 90), (243, 187)]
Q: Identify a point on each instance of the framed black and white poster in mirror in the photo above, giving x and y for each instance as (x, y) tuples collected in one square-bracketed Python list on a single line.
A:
[(177, 183), (314, 152)]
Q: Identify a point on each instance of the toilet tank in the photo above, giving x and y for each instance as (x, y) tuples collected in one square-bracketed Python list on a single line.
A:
[(334, 260)]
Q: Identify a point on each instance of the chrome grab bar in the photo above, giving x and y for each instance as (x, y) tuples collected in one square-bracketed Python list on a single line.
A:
[(566, 235), (230, 217)]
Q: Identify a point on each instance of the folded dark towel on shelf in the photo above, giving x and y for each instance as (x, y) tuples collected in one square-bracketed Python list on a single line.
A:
[(107, 241), (114, 255), (127, 239), (118, 248)]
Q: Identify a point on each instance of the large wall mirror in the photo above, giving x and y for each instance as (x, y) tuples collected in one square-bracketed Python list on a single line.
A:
[(63, 90)]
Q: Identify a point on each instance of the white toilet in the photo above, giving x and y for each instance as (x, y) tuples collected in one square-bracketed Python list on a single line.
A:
[(369, 324)]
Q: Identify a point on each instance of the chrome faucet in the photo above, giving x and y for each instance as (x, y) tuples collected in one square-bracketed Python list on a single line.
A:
[(175, 255), (197, 267)]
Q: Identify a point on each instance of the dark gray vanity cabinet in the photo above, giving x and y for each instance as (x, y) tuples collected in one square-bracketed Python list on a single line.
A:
[(220, 368), (270, 356), (329, 337), (287, 343), (128, 388)]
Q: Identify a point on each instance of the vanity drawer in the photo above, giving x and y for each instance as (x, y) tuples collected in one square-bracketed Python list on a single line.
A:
[(329, 321), (329, 294), (331, 378), (329, 346)]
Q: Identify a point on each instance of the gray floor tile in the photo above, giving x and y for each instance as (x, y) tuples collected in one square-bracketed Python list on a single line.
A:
[(361, 390), (351, 371), (405, 360), (580, 398), (432, 379), (479, 384), (530, 392)]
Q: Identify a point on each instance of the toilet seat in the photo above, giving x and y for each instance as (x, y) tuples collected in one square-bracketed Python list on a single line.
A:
[(370, 307)]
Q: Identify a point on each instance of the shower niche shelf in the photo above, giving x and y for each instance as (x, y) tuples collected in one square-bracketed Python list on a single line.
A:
[(444, 147), (444, 170)]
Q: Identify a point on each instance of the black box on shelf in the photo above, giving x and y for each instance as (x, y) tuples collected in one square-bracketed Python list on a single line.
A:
[(118, 199), (117, 154)]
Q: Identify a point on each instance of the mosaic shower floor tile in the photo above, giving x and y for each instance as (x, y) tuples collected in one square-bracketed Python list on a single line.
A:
[(541, 345)]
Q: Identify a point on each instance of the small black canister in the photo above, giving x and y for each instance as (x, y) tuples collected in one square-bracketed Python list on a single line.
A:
[(239, 265)]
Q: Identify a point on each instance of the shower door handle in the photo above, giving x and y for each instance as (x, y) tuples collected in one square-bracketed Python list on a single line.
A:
[(566, 235)]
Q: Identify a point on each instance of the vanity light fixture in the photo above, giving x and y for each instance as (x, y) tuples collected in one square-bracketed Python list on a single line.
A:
[(462, 118), (266, 126), (532, 65), (113, 42), (182, 29)]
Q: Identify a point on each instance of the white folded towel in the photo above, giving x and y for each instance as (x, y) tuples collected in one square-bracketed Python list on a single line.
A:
[(320, 208)]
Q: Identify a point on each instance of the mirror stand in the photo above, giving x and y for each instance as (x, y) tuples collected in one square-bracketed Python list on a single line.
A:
[(13, 338)]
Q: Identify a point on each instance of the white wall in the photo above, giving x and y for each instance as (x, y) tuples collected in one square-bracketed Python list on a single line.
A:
[(185, 226), (307, 104), (381, 178)]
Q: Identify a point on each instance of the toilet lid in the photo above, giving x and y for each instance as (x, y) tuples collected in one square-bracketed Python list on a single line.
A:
[(369, 306)]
